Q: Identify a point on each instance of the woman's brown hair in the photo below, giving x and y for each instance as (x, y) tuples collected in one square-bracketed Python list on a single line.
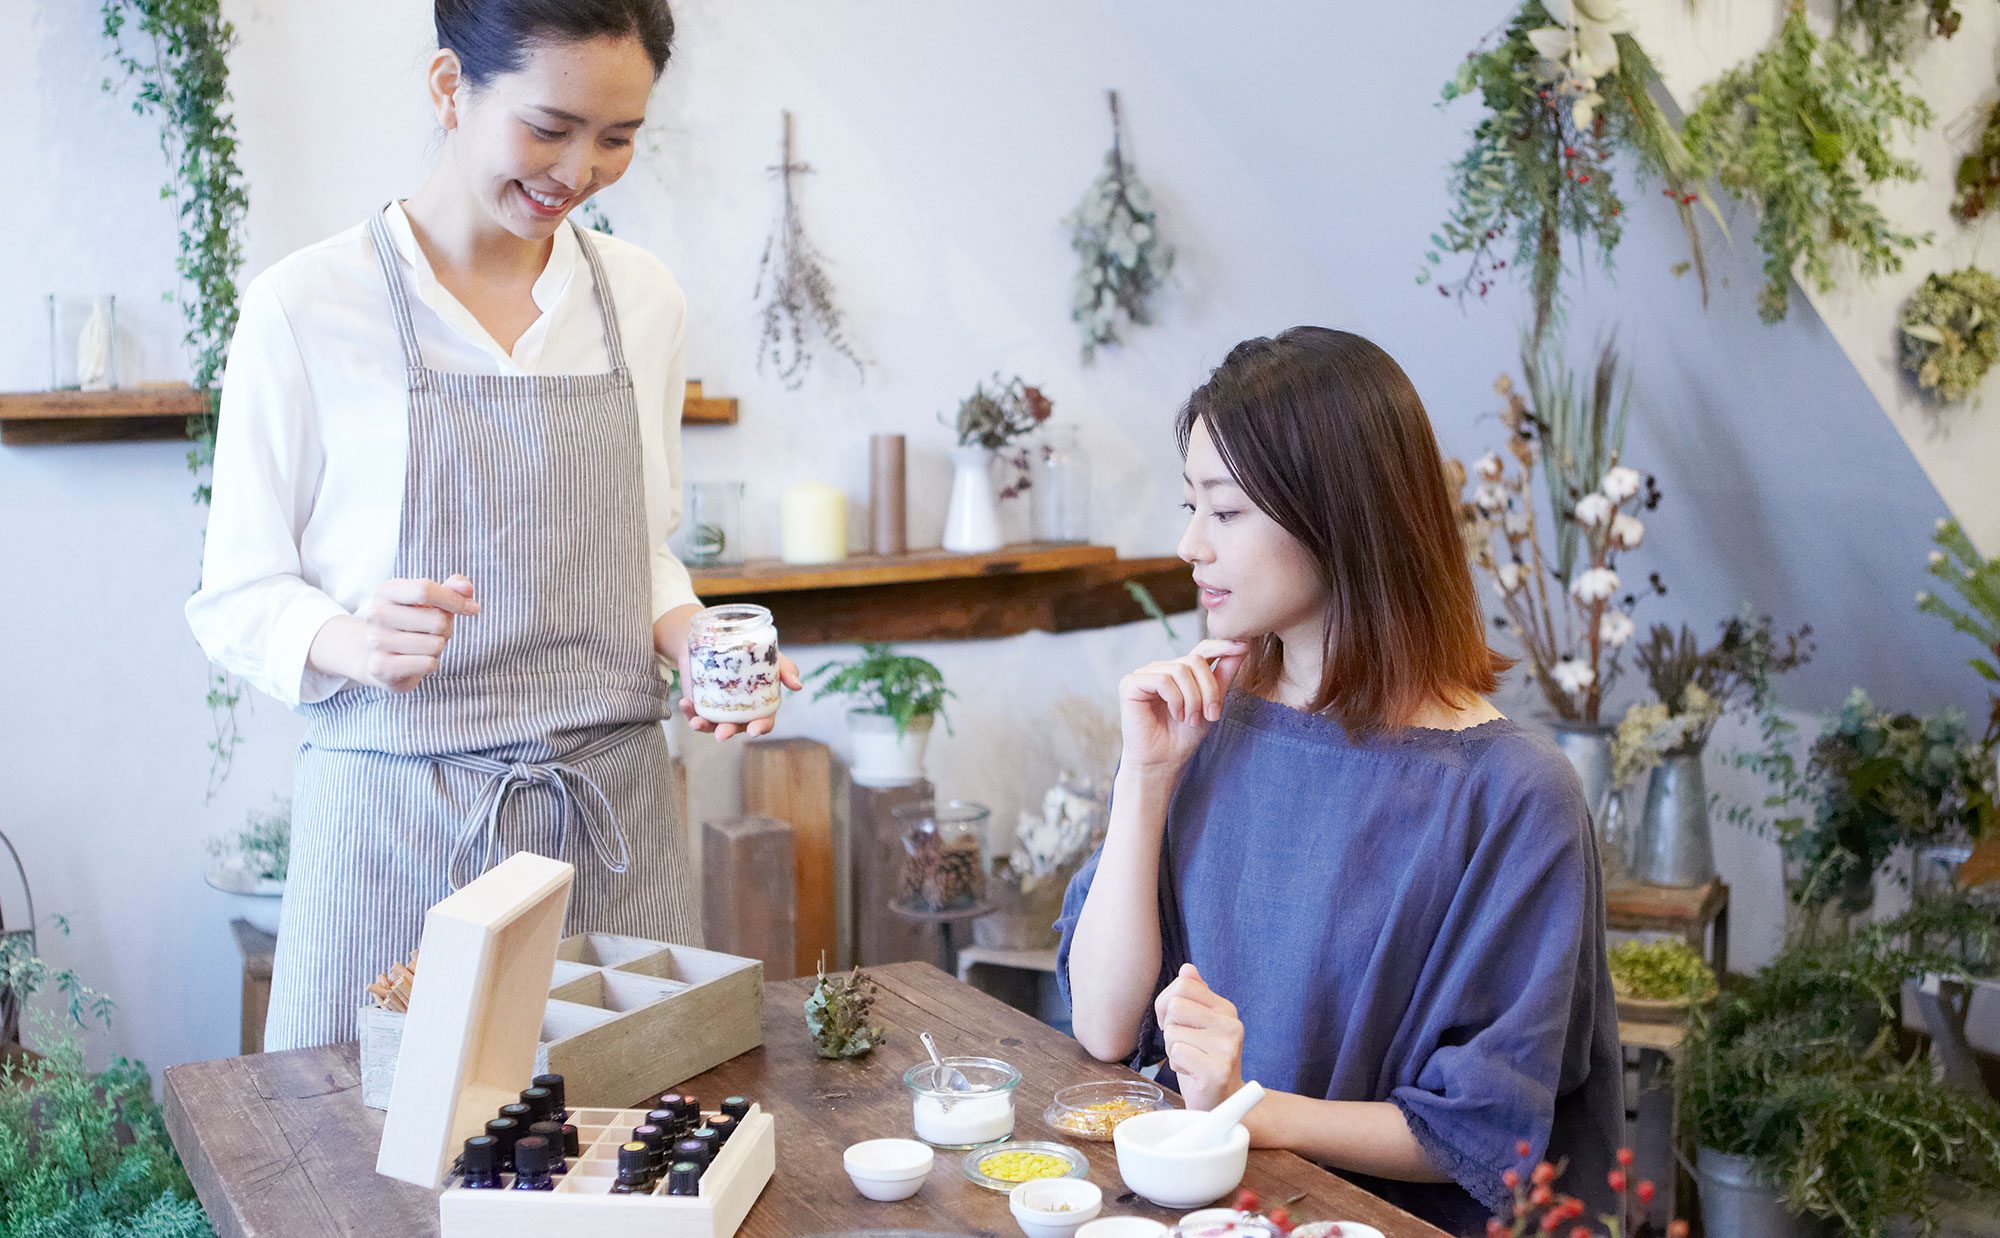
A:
[(1325, 434)]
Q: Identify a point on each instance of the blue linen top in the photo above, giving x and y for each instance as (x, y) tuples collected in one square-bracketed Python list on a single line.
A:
[(1414, 917)]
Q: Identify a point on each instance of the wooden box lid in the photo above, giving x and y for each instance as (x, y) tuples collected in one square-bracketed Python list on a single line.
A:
[(469, 1041)]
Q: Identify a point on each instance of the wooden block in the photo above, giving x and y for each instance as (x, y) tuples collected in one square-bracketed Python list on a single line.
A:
[(877, 853), (749, 891), (791, 780)]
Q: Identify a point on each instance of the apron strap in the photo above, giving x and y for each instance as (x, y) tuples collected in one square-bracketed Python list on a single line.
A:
[(614, 339), (481, 831), (399, 293)]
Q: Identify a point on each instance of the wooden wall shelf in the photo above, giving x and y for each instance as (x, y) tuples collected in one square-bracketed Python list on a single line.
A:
[(935, 595), (161, 411)]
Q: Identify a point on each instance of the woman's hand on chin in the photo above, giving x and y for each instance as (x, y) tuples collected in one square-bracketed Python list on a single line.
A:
[(1166, 708), (1204, 1039)]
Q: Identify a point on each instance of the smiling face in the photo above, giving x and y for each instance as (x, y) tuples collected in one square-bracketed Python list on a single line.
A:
[(1255, 579), (534, 143)]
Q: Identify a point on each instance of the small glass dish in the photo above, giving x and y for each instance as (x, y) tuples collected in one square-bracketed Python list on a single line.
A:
[(1093, 1110), (956, 1119), (1076, 1164)]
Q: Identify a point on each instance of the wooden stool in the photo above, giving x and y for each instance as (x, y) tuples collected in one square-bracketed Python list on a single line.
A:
[(257, 946), (1690, 911)]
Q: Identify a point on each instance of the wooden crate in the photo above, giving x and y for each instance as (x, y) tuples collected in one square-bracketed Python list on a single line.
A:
[(620, 1012), (582, 1202)]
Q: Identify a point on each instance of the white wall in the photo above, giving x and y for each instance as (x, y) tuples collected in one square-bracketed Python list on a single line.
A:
[(1299, 162)]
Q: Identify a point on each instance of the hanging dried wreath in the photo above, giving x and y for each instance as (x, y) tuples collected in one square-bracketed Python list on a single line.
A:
[(1114, 232), (795, 296), (1951, 332)]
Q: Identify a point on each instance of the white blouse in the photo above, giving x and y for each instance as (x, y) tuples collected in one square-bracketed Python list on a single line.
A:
[(314, 433)]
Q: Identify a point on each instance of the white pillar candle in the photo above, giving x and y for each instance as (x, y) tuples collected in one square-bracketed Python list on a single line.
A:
[(814, 524)]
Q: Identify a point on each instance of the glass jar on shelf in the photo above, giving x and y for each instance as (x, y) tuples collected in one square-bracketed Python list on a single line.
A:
[(1060, 493), (945, 864), (713, 524)]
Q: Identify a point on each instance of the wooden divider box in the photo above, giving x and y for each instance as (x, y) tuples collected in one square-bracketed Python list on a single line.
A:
[(501, 999)]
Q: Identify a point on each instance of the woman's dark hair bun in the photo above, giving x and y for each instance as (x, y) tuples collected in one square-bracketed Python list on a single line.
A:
[(493, 37)]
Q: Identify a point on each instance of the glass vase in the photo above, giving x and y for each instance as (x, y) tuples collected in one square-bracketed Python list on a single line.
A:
[(944, 856), (713, 524), (1061, 489), (83, 343)]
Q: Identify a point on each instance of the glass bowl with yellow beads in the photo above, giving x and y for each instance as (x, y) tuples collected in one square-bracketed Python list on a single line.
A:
[(1003, 1166)]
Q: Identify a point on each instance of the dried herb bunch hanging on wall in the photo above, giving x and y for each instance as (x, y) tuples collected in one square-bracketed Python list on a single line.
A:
[(1896, 29), (1802, 133), (1565, 88), (1115, 233), (794, 292)]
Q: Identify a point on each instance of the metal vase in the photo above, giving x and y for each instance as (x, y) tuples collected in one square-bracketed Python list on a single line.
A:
[(1739, 1202), (1673, 846), (1588, 749)]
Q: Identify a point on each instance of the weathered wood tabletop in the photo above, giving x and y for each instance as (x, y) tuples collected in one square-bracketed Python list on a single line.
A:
[(280, 1144)]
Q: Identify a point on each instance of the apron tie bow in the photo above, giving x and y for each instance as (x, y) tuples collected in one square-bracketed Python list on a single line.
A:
[(578, 795)]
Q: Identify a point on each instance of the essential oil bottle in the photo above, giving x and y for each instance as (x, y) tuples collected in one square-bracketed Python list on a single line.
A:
[(710, 1139), (541, 1105), (684, 1178), (724, 1126), (737, 1107), (668, 1120), (554, 1083), (479, 1167), (504, 1132), (553, 1133), (635, 1169), (572, 1143), (656, 1141), (693, 1150), (531, 1164)]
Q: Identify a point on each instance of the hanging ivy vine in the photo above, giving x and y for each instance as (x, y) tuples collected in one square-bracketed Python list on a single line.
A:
[(1802, 132), (1564, 89), (175, 55)]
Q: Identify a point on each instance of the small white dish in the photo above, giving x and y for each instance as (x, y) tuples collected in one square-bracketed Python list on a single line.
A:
[(1209, 1216), (1122, 1227), (1178, 1179), (1055, 1207), (886, 1170), (1336, 1229)]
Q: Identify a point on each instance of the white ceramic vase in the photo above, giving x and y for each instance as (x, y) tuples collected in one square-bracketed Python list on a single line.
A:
[(972, 520)]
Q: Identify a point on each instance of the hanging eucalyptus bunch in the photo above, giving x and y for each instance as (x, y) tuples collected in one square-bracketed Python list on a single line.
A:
[(795, 295), (1803, 133), (1116, 235), (184, 80)]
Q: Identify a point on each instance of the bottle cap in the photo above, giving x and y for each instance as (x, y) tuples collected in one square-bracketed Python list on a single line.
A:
[(554, 1083), (540, 1102), (571, 1144), (724, 1126), (553, 1132), (684, 1179), (691, 1150), (635, 1161), (482, 1157), (649, 1134), (531, 1156), (520, 1113), (737, 1107), (504, 1131)]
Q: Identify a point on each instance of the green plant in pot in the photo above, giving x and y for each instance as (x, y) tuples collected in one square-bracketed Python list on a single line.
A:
[(1810, 1115), (1879, 782), (251, 864), (894, 699)]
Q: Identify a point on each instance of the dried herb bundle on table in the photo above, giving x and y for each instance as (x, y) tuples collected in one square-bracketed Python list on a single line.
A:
[(837, 1014)]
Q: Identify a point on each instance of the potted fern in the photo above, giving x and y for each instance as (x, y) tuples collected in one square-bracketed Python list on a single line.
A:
[(894, 699)]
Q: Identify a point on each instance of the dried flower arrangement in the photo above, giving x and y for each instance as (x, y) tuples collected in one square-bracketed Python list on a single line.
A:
[(1978, 178), (1950, 332), (999, 419), (1693, 688), (1116, 234), (795, 294), (1574, 636), (837, 1014), (1564, 87), (1803, 132), (1537, 1207)]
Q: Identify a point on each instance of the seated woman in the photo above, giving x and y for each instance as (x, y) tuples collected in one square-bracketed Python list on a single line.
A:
[(1332, 865)]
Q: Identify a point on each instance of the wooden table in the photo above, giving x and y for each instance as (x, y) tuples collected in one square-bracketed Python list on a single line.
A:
[(280, 1143)]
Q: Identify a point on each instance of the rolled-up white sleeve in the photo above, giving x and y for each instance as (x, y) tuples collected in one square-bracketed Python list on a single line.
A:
[(672, 586), (255, 615)]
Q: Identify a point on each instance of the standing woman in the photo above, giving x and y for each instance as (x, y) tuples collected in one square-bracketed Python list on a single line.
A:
[(448, 469), (1332, 865)]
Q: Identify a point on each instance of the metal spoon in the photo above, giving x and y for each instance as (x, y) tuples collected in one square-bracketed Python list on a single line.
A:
[(947, 1078)]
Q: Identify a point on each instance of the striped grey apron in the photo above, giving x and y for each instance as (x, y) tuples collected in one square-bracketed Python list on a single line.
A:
[(540, 729)]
